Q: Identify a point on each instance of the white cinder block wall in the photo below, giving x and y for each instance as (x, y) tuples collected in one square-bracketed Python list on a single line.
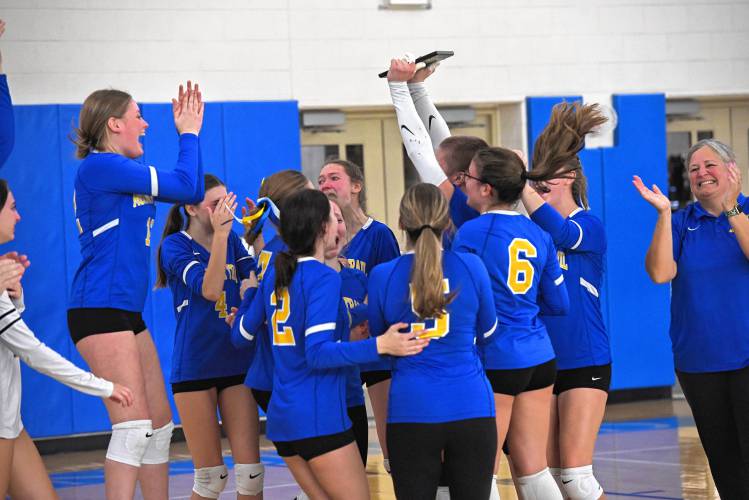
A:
[(327, 52)]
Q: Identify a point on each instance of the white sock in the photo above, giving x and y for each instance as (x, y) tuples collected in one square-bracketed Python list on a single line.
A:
[(494, 495), (386, 464), (443, 493)]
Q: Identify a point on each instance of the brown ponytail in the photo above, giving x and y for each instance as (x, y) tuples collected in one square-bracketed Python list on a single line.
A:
[(424, 215), (555, 151)]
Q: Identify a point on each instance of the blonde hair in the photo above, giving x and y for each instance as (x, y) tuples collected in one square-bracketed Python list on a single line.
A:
[(98, 108), (425, 215)]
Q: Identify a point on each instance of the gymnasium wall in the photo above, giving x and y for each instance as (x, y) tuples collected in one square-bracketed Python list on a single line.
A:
[(241, 142), (635, 310), (328, 52)]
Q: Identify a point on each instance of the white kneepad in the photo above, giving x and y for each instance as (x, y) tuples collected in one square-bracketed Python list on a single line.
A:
[(129, 441), (157, 451), (579, 483), (249, 478), (539, 486), (556, 473), (209, 482)]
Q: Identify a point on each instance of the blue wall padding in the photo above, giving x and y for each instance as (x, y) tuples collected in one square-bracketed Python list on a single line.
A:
[(634, 309), (241, 143)]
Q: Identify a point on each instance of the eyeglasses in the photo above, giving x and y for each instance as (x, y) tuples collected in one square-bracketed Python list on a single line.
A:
[(460, 178)]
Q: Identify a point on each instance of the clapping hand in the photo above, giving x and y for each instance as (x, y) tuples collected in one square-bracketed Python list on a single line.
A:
[(655, 197), (188, 109)]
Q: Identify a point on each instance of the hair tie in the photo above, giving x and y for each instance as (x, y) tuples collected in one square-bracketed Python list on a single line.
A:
[(524, 175), (415, 233)]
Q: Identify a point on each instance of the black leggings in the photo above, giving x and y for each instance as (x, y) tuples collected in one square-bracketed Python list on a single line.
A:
[(720, 405), (360, 426), (416, 458)]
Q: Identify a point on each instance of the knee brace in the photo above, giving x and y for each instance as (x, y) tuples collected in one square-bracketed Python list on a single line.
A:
[(129, 441), (249, 478), (209, 482), (539, 486), (157, 451), (579, 483)]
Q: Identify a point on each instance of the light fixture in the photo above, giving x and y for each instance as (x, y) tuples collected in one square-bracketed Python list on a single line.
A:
[(323, 119), (406, 4), (458, 115)]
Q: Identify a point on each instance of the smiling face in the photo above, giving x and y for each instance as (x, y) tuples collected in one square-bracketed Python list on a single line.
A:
[(708, 174), (554, 191), (125, 132), (9, 217), (333, 179), (330, 235), (479, 193)]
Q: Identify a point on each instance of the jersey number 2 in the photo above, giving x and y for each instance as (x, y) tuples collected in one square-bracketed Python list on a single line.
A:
[(282, 334), (520, 272)]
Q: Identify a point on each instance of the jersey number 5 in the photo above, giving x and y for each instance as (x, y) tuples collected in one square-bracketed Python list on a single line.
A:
[(440, 326), (282, 335), (520, 271)]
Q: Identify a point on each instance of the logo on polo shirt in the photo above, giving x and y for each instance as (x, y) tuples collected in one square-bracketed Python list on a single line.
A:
[(693, 228)]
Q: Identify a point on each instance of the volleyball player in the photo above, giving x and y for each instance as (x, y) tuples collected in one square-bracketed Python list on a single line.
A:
[(115, 210), (525, 275), (301, 298), (203, 261), (439, 158), (22, 472), (276, 189), (559, 205), (440, 400), (353, 325), (370, 243)]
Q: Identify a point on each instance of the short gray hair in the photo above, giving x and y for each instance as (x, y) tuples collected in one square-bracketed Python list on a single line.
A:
[(723, 150)]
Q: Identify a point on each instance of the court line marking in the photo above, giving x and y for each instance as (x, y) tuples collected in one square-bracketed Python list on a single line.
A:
[(638, 450), (634, 461)]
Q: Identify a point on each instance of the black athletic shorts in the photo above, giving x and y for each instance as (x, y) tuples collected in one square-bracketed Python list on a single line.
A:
[(360, 427), (262, 398), (310, 448), (591, 377), (375, 377), (513, 382), (86, 321), (220, 383)]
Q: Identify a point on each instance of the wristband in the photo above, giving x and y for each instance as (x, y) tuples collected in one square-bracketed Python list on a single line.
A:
[(734, 211)]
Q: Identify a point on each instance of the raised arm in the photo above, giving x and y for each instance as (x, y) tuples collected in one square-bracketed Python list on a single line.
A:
[(659, 259), (415, 137), (427, 111), (7, 122)]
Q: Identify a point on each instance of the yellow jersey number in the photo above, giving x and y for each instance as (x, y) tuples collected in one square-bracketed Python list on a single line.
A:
[(282, 335), (440, 325), (263, 260), (149, 225), (521, 271), (221, 305)]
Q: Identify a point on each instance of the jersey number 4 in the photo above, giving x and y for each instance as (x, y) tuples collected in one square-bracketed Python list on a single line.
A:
[(440, 326), (282, 334), (520, 271)]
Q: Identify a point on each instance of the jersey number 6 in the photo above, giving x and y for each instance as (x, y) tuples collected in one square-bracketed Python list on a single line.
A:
[(520, 271), (282, 335)]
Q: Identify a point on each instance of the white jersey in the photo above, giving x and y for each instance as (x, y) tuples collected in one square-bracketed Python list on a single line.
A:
[(17, 341)]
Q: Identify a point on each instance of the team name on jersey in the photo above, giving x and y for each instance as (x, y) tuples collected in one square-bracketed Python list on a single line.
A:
[(142, 199), (350, 303), (562, 257), (359, 265)]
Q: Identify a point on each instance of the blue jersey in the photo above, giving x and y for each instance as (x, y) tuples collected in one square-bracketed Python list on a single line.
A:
[(460, 212), (114, 211), (260, 374), (354, 294), (580, 337), (7, 123), (202, 344), (374, 244), (309, 379), (524, 271), (446, 381), (709, 320)]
